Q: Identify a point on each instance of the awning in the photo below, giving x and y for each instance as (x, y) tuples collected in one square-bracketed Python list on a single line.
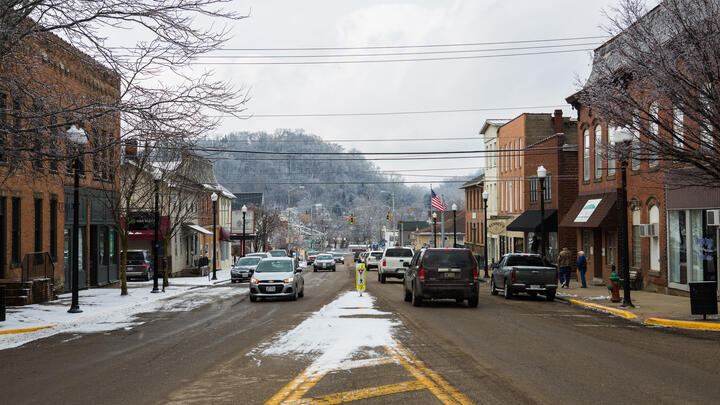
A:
[(198, 228), (225, 234), (142, 235), (529, 221), (591, 211)]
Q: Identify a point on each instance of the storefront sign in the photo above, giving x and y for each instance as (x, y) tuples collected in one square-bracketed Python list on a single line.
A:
[(496, 228), (587, 210)]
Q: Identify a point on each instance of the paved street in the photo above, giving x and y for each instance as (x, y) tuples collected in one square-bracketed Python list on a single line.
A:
[(520, 351)]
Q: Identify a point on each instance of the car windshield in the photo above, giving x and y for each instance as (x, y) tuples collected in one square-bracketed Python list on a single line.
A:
[(277, 253), (323, 257), (337, 255), (135, 257), (525, 261), (376, 255), (399, 253), (274, 266), (448, 258), (248, 261)]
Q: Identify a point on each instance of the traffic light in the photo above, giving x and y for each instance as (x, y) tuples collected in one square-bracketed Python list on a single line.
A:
[(351, 220), (387, 217)]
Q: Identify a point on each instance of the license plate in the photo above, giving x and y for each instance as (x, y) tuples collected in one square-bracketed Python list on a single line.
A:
[(245, 274), (401, 270), (449, 275), (270, 289), (535, 287)]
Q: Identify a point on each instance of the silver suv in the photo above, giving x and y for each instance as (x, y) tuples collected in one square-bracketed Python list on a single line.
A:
[(277, 277)]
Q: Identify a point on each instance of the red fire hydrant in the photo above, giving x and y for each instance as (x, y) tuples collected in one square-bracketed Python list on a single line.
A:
[(614, 286)]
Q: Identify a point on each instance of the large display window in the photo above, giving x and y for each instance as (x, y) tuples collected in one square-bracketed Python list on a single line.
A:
[(692, 248)]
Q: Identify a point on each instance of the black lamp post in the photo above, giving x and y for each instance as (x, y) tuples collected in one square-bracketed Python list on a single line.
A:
[(485, 196), (542, 173), (156, 246), (434, 216), (214, 198), (77, 137), (623, 138), (244, 211), (454, 210)]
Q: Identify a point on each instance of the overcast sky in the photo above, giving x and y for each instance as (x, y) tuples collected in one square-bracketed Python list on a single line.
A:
[(516, 81)]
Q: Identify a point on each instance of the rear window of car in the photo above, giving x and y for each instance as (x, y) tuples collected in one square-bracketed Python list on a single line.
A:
[(337, 255), (274, 266), (525, 261), (377, 255), (449, 258), (135, 257), (248, 261), (323, 257), (278, 253), (398, 253)]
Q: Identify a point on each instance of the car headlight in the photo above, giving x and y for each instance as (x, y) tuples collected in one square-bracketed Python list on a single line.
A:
[(289, 280), (254, 280)]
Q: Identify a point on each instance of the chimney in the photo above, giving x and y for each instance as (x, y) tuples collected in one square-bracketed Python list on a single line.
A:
[(558, 122)]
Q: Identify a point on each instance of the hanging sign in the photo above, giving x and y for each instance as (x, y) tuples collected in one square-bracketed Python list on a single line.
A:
[(587, 210)]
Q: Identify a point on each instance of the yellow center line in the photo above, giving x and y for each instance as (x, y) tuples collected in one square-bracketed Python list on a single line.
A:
[(443, 396), (364, 393)]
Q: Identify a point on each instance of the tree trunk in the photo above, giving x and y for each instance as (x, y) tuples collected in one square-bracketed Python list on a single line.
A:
[(123, 263)]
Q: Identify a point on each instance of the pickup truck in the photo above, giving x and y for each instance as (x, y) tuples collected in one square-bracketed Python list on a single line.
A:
[(394, 263), (524, 272)]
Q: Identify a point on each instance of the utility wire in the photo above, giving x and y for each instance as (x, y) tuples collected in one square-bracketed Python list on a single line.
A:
[(382, 113), (451, 152)]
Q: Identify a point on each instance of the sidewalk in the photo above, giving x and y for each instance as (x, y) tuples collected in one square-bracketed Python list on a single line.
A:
[(650, 308)]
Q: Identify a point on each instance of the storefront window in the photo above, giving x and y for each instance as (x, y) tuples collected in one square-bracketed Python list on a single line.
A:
[(677, 255), (610, 247), (704, 240), (111, 246), (655, 241), (636, 243), (688, 229)]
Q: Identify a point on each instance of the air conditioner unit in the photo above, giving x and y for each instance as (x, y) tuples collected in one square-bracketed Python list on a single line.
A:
[(648, 230), (713, 217)]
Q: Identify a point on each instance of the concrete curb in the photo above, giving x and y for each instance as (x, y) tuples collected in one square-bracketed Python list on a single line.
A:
[(683, 324), (13, 331), (614, 311)]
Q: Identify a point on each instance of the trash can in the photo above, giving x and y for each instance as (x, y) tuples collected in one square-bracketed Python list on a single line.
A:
[(703, 298), (2, 303)]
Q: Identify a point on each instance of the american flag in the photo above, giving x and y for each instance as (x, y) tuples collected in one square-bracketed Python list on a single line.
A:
[(436, 202)]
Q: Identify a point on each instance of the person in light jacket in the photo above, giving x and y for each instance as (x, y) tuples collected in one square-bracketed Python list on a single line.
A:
[(582, 268), (564, 263)]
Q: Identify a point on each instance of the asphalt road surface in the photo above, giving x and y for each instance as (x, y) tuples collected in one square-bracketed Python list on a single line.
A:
[(523, 350)]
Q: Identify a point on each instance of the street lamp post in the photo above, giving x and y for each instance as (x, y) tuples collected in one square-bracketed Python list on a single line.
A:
[(623, 139), (77, 137), (454, 210), (434, 216), (542, 173), (214, 198), (244, 211), (485, 196), (155, 238)]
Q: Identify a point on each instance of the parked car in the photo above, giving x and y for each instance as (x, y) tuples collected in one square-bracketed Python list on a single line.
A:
[(263, 255), (339, 258), (442, 273), (324, 261), (373, 259), (243, 269), (277, 277), (524, 272), (139, 264), (278, 253), (393, 262)]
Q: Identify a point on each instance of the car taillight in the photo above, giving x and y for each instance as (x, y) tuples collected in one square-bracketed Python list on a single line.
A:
[(384, 264), (421, 274), (512, 276), (475, 274), (144, 266)]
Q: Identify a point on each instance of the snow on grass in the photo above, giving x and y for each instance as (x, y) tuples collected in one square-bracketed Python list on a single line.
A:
[(333, 334), (104, 309)]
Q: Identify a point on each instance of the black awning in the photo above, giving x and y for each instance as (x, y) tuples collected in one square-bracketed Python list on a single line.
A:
[(529, 221)]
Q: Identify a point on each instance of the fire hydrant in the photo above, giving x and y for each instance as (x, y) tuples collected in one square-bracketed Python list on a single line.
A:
[(614, 285)]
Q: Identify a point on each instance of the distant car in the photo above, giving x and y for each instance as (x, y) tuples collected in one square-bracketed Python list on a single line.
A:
[(243, 269), (442, 273), (311, 258), (524, 272), (277, 277), (373, 259), (139, 264), (324, 261), (394, 263), (356, 257), (362, 257), (263, 255), (279, 253), (339, 258)]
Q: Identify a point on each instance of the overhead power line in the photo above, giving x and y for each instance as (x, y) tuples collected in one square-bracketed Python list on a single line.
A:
[(450, 152), (415, 112)]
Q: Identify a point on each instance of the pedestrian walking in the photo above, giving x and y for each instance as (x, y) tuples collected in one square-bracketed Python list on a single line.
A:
[(582, 268), (564, 263)]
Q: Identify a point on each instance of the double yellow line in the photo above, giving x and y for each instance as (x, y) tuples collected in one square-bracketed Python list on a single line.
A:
[(425, 378)]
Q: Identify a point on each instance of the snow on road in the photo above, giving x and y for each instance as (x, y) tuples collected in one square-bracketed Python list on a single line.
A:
[(340, 331), (104, 309)]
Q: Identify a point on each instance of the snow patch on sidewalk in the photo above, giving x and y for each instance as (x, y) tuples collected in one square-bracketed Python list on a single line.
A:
[(104, 309), (334, 334)]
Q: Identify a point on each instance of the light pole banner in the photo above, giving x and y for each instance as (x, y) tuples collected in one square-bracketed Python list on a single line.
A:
[(587, 210)]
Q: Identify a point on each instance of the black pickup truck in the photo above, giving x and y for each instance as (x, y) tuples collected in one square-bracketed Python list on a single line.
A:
[(524, 272)]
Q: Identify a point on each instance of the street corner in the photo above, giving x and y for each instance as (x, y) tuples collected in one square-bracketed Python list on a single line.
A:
[(603, 308)]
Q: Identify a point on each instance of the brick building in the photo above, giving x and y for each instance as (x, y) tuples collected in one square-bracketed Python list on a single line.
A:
[(36, 187), (558, 154), (474, 221)]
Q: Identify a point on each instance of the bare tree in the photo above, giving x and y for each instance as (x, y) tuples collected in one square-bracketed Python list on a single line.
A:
[(660, 77), (267, 223)]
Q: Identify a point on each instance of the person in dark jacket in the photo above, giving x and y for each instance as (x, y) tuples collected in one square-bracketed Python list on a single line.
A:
[(582, 268), (564, 263)]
